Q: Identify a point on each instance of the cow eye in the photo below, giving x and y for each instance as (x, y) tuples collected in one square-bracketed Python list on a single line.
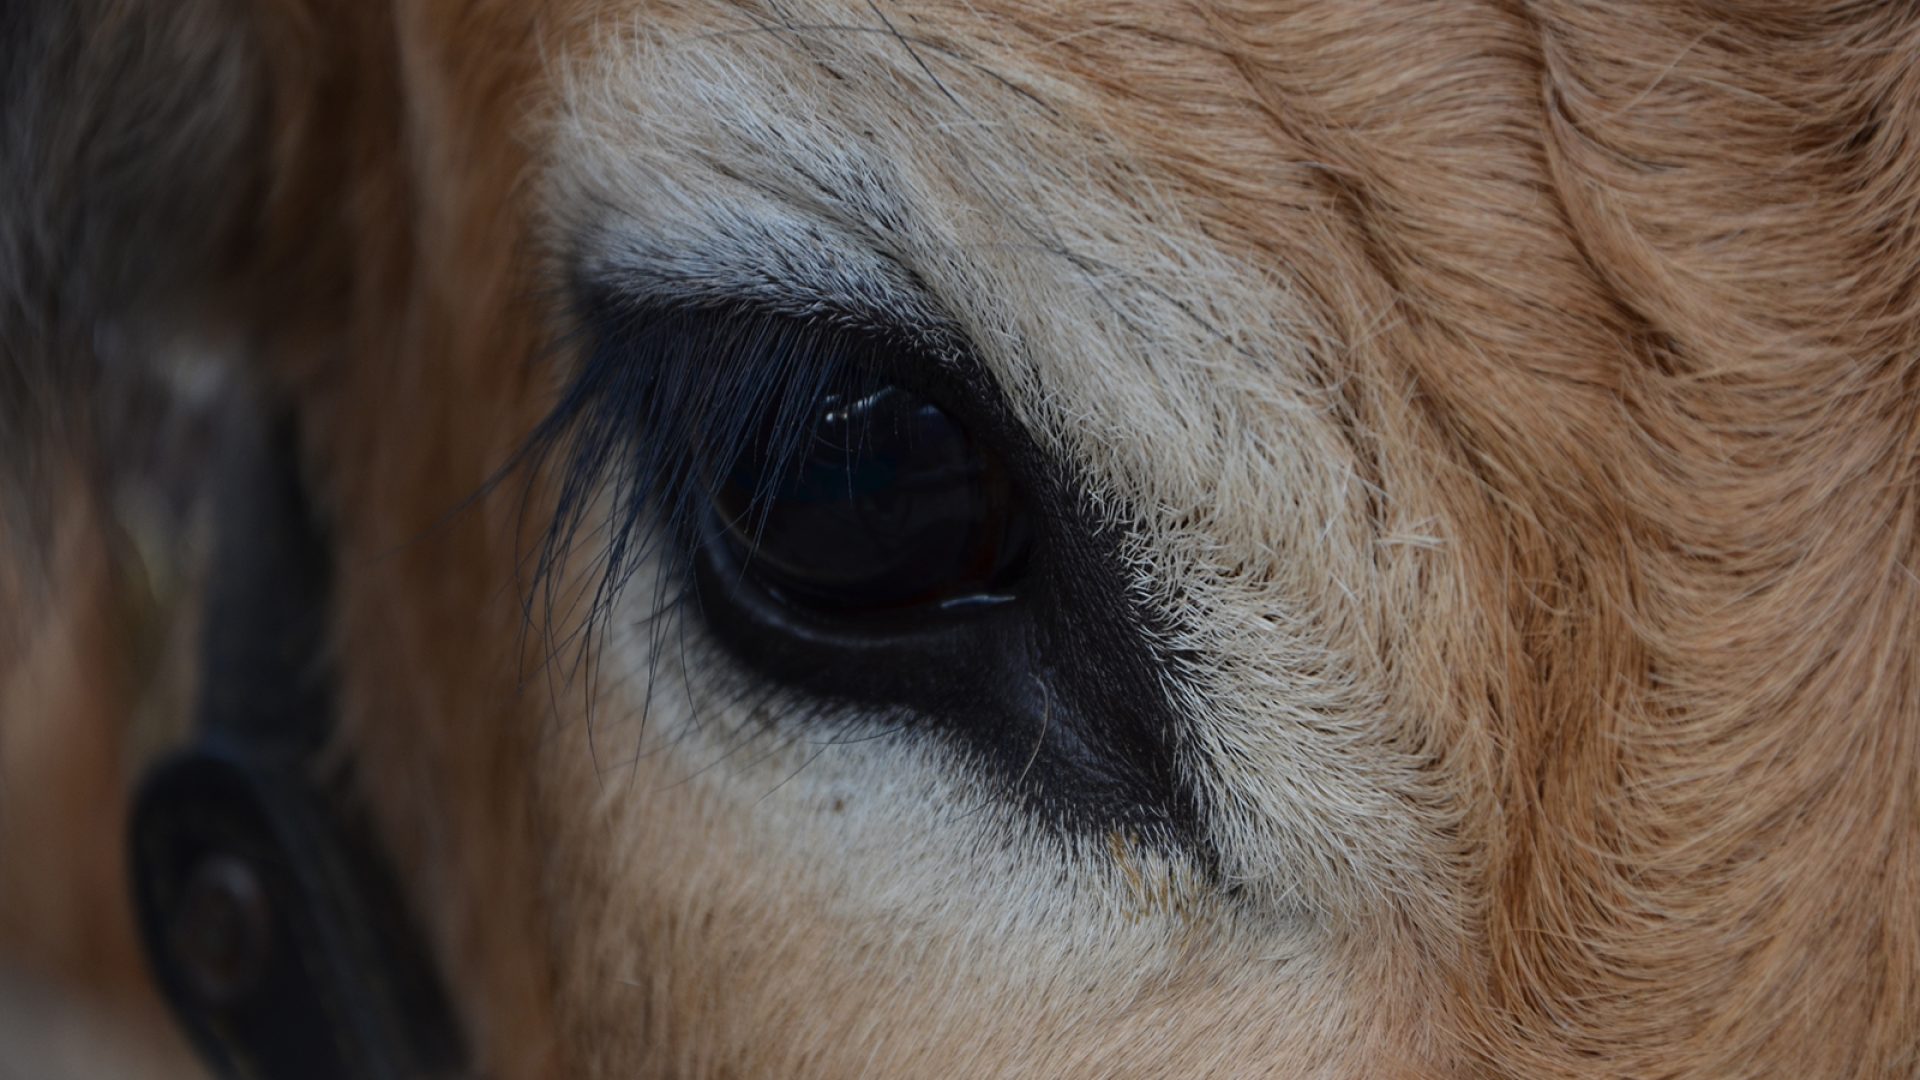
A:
[(880, 501), (856, 517)]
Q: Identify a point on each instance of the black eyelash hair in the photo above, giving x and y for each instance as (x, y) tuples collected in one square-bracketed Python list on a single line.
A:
[(664, 399)]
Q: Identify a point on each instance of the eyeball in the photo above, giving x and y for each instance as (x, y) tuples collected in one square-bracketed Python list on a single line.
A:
[(884, 503)]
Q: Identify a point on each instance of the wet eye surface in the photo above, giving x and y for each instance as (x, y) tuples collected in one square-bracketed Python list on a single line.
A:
[(887, 503)]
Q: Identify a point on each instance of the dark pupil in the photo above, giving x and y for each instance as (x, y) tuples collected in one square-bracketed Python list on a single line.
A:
[(885, 502)]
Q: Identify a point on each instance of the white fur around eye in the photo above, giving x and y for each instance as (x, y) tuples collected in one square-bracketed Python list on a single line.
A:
[(1181, 384)]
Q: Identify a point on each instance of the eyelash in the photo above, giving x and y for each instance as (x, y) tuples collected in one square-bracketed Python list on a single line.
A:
[(659, 397)]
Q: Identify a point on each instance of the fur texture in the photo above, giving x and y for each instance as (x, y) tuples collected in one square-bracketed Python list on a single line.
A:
[(1510, 409)]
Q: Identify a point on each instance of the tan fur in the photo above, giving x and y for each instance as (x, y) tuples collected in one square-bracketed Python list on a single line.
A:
[(1514, 406)]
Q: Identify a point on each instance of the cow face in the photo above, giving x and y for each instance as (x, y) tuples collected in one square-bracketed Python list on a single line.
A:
[(1062, 540)]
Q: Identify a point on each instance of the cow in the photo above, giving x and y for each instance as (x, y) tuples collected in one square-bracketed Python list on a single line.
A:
[(1228, 538)]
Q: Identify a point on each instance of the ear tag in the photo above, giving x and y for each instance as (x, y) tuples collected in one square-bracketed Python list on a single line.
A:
[(271, 920)]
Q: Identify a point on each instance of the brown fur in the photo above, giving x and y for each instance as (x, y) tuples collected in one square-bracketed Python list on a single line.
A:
[(1622, 298)]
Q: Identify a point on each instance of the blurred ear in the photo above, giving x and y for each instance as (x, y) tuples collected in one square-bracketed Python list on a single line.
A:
[(132, 136), (131, 139), (133, 168)]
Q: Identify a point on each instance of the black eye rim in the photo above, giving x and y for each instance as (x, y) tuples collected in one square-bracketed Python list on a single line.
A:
[(1060, 697), (1056, 689), (1046, 692)]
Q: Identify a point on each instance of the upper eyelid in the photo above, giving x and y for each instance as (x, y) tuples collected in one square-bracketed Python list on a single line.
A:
[(794, 272), (893, 305)]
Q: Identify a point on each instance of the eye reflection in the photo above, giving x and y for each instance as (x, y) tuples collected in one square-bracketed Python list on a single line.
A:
[(888, 503)]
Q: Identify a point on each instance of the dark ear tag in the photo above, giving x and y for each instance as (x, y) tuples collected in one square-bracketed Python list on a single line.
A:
[(277, 937), (272, 922)]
